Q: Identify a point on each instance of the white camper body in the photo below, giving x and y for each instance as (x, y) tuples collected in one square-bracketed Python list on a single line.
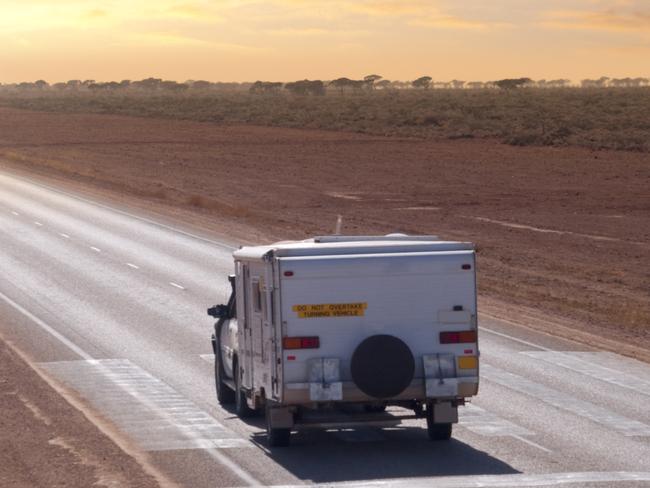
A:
[(333, 321)]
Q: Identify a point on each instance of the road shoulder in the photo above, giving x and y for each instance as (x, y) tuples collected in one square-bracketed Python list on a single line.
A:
[(49, 441)]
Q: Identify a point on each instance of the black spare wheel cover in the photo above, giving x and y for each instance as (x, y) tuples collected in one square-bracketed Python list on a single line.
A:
[(382, 366)]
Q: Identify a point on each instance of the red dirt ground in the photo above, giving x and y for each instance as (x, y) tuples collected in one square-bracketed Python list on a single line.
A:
[(564, 232), (47, 443)]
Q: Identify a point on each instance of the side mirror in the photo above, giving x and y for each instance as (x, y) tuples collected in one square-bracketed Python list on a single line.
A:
[(219, 311)]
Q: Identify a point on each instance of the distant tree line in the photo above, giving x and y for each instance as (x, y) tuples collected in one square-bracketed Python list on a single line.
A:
[(315, 87)]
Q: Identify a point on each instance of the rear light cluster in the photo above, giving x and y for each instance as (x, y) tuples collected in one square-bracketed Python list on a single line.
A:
[(462, 337), (300, 342)]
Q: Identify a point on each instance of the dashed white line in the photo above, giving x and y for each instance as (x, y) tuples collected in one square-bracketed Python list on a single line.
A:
[(131, 265), (176, 285), (38, 223), (65, 236), (96, 249), (531, 443)]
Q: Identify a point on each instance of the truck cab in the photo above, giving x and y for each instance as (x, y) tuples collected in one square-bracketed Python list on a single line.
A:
[(354, 323)]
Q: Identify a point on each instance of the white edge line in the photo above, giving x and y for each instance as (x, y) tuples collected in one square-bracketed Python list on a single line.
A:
[(221, 458), (218, 456), (531, 443), (71, 345), (137, 217), (131, 265), (490, 480), (501, 334), (177, 285)]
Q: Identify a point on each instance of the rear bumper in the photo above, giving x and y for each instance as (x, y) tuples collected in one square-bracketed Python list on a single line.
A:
[(452, 388)]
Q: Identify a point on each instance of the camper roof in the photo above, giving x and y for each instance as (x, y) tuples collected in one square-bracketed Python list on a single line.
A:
[(339, 245)]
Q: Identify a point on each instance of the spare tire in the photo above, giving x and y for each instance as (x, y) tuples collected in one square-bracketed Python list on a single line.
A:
[(382, 366)]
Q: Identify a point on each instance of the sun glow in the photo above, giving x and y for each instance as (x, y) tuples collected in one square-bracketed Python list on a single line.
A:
[(293, 39)]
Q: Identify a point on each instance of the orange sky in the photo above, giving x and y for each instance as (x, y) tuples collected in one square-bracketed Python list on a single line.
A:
[(230, 40)]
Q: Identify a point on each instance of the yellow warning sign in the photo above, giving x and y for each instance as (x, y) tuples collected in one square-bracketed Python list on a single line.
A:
[(330, 310)]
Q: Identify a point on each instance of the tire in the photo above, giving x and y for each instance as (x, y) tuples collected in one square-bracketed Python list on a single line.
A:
[(241, 407), (437, 432), (277, 437), (225, 394)]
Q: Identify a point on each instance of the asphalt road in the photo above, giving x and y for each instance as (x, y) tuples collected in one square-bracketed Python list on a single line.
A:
[(113, 304)]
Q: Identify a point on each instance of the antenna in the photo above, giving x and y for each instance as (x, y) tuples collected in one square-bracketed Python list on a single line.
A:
[(339, 223)]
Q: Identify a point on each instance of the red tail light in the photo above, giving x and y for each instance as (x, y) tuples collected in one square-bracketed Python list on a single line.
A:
[(300, 342), (462, 337)]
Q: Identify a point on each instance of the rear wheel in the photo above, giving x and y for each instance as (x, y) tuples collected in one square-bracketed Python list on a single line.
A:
[(225, 394), (276, 437), (437, 432), (241, 407)]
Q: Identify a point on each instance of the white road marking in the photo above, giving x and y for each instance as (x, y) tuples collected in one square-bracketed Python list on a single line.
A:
[(65, 236), (512, 338), (579, 362), (147, 409), (38, 223), (191, 417), (122, 212), (493, 480), (177, 285), (96, 249), (15, 213), (531, 443), (627, 427), (471, 417), (72, 346), (208, 357), (131, 265), (482, 422)]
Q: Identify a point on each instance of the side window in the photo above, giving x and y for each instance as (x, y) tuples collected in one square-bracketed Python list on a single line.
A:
[(256, 295)]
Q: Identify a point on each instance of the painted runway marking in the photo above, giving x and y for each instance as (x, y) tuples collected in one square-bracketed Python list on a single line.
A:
[(131, 265), (180, 287), (147, 409), (493, 480), (627, 427), (592, 364), (65, 236), (96, 249), (38, 223)]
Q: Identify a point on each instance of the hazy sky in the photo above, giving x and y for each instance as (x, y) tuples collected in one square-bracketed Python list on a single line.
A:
[(282, 40)]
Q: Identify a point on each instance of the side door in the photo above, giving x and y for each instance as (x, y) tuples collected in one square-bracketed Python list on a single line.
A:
[(255, 319)]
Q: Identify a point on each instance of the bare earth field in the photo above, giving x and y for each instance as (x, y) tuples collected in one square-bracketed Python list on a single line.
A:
[(563, 233)]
